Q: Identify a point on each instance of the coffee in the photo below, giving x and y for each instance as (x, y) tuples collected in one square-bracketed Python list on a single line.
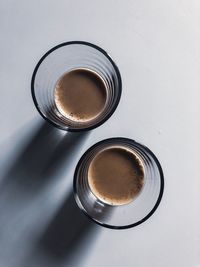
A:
[(80, 95), (116, 176)]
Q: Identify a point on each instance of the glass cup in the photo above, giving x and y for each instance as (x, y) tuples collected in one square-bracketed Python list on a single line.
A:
[(127, 215), (64, 58)]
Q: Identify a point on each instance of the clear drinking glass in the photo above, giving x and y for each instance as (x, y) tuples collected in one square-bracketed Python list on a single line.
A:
[(66, 57), (127, 215)]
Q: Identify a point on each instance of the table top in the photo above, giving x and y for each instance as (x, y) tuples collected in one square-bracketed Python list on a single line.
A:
[(156, 47)]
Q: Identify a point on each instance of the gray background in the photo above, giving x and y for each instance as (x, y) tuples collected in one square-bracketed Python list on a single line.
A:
[(156, 46)]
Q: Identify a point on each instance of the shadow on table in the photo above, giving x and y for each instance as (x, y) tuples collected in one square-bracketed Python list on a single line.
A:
[(45, 153), (33, 168), (66, 235)]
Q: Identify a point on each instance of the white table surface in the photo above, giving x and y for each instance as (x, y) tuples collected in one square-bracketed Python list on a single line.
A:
[(156, 47)]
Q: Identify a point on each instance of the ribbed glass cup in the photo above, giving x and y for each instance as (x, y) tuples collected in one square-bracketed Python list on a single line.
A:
[(64, 58), (127, 215)]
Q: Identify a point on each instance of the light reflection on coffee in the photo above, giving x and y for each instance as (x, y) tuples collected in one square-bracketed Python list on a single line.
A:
[(80, 95), (116, 176)]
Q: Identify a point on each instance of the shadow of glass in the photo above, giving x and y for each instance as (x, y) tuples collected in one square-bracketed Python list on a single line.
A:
[(25, 192), (67, 232), (67, 239), (34, 166), (25, 171), (64, 153)]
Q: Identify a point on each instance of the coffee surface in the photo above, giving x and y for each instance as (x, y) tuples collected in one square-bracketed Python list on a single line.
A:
[(116, 176), (80, 95)]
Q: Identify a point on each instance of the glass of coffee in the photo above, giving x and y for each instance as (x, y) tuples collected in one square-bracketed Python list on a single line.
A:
[(76, 86), (118, 183)]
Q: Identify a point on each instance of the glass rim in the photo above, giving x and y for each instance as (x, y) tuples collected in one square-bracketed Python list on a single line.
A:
[(151, 212), (74, 43)]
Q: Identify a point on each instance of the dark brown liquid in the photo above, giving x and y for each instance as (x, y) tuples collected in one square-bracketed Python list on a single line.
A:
[(80, 95), (116, 176)]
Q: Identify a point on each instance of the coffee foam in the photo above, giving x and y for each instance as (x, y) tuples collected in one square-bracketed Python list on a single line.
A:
[(116, 175), (80, 95)]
